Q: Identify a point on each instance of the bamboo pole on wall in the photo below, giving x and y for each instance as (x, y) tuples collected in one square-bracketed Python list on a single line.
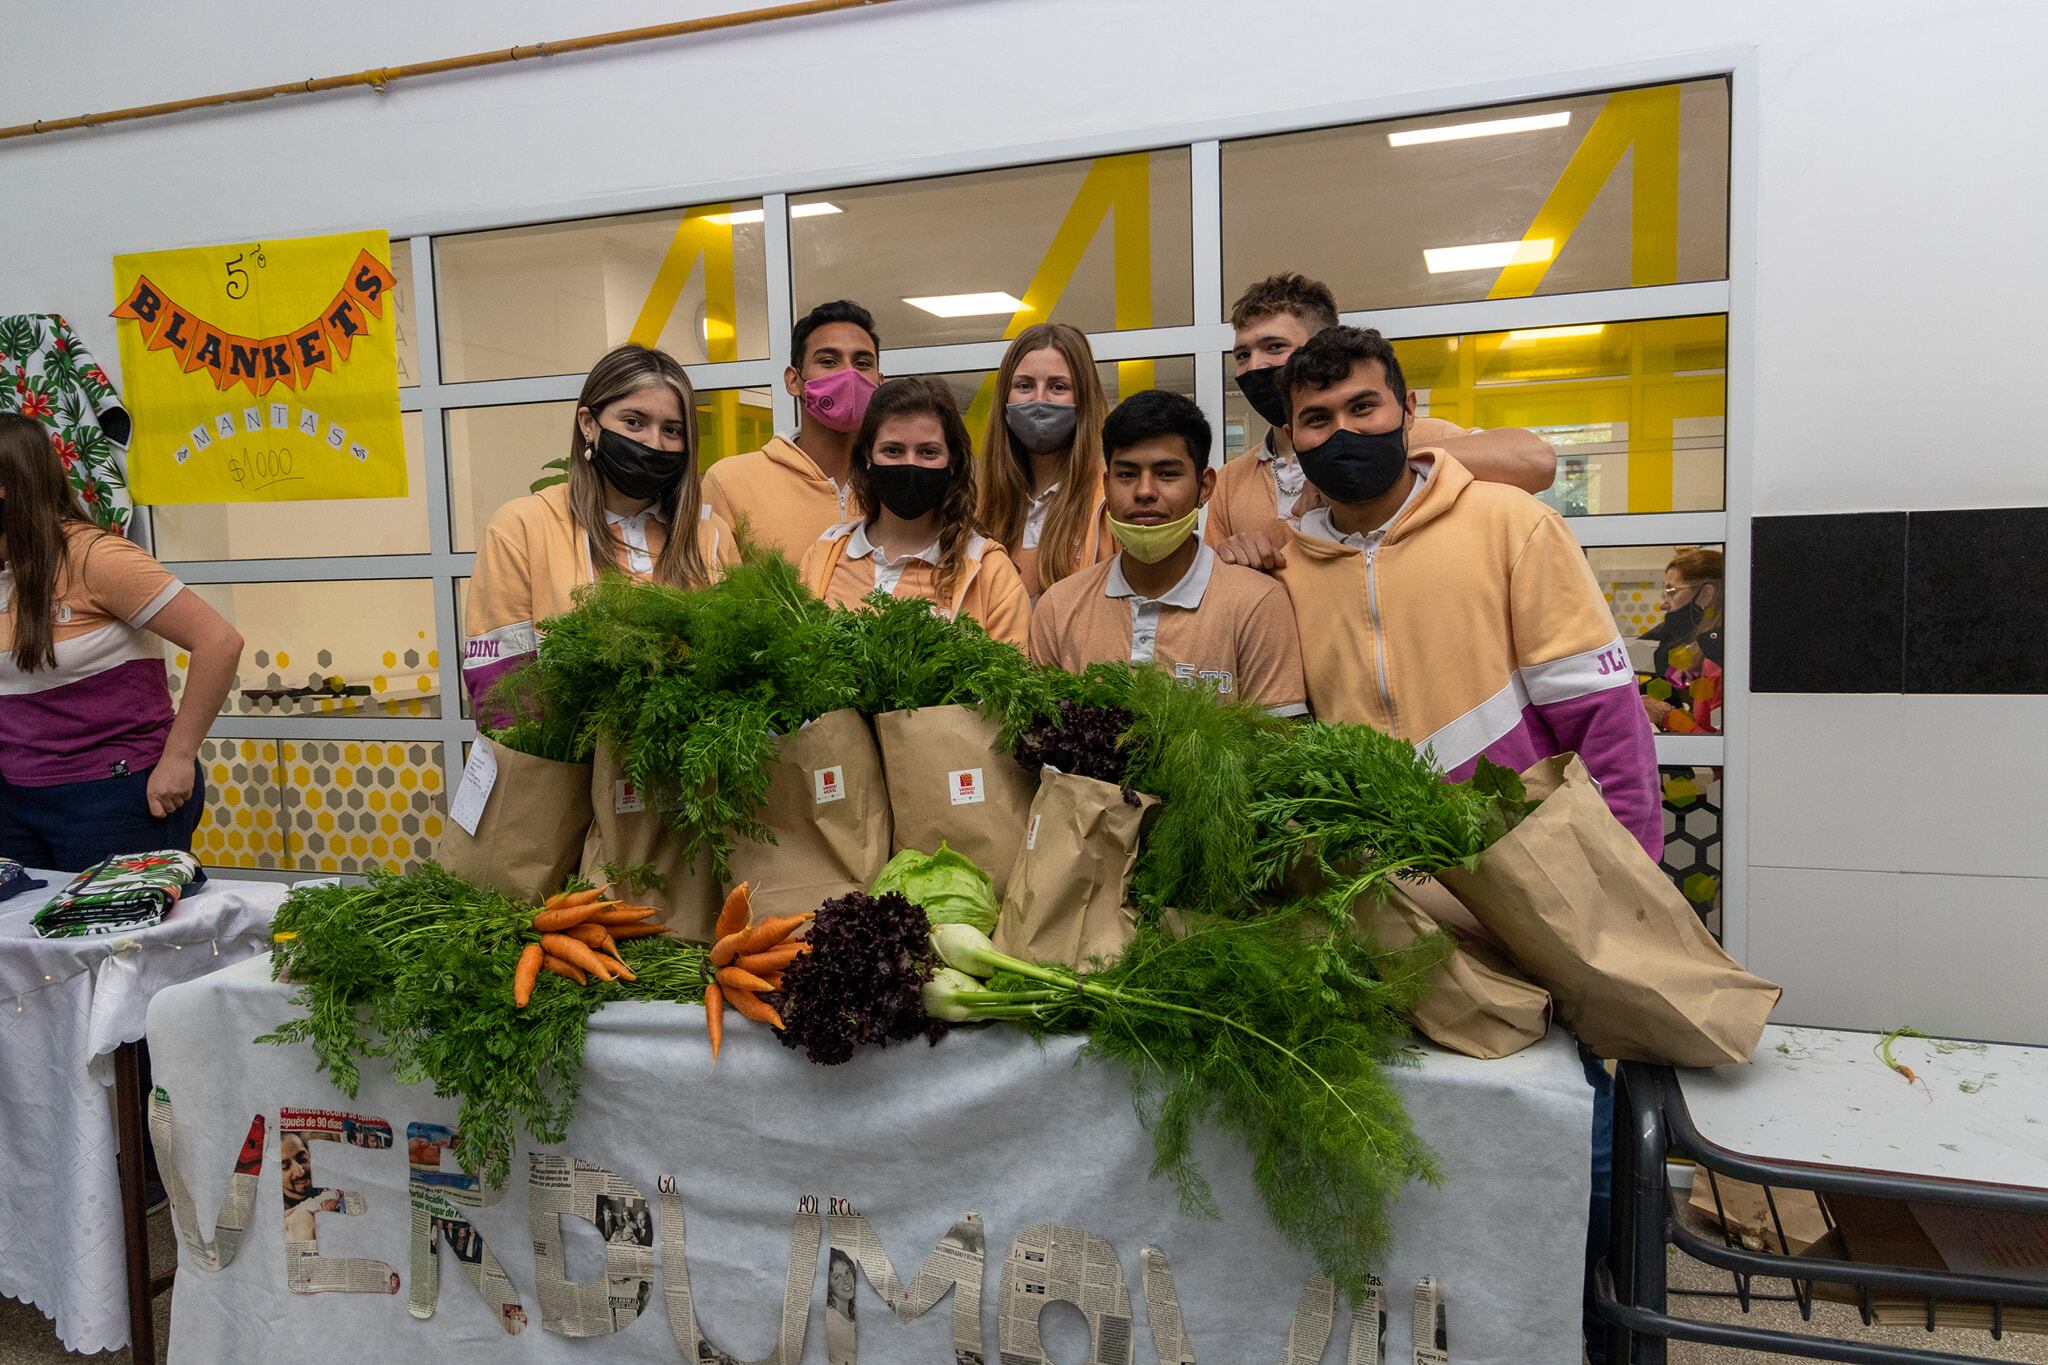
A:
[(379, 78)]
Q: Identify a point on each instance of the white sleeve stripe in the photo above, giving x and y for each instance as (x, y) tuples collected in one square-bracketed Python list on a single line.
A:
[(495, 646), (1578, 675), (1288, 709), (1468, 736), (156, 604)]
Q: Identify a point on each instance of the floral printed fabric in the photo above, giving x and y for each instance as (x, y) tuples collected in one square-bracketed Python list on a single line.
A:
[(47, 374), (132, 891)]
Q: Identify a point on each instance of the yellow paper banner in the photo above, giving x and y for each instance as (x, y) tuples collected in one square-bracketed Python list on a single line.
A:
[(262, 372)]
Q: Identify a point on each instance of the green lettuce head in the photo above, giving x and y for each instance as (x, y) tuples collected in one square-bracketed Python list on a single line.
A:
[(947, 884)]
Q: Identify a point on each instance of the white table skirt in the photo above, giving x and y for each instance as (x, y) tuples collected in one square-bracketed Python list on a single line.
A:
[(65, 1005), (913, 1137)]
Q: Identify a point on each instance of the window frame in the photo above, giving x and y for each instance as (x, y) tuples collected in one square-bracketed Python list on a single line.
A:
[(1207, 335)]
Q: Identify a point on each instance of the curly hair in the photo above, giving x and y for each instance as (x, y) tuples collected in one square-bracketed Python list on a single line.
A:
[(923, 396)]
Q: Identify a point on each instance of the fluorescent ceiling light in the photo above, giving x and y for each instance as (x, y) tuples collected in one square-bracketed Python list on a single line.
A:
[(1488, 255), (967, 305), (754, 215), (1458, 132), (1584, 329)]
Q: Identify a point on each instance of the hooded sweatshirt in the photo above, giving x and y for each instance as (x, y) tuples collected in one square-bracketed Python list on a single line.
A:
[(1248, 497), (1475, 627), (845, 566), (777, 498)]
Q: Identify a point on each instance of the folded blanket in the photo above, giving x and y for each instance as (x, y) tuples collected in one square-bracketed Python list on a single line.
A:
[(14, 877), (132, 891)]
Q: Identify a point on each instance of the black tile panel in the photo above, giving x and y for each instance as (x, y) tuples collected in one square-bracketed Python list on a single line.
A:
[(1977, 601), (1828, 603)]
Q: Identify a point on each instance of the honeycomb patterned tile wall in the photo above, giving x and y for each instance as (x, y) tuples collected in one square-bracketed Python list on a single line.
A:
[(1636, 606), (409, 685), (353, 805), (243, 824), (1692, 838)]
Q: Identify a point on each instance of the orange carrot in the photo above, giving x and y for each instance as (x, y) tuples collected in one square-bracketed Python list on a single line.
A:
[(728, 948), (552, 901), (753, 1007), (525, 974), (732, 978), (549, 962), (638, 930), (770, 932), (773, 959), (622, 914), (576, 953), (567, 916), (737, 912), (596, 935), (714, 1017)]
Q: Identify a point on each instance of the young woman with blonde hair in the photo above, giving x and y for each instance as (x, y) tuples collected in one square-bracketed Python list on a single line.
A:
[(1039, 488), (633, 480), (913, 464)]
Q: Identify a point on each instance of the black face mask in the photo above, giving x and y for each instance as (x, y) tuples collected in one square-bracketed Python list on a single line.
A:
[(1681, 623), (1261, 388), (637, 471), (909, 490), (1355, 466)]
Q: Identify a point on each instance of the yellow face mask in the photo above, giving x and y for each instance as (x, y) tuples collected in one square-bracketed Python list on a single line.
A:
[(1150, 544)]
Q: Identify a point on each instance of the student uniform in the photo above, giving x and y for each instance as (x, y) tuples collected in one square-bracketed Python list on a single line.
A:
[(843, 566), (778, 498), (78, 741), (1221, 623), (1471, 623), (533, 558), (1266, 482), (1096, 543)]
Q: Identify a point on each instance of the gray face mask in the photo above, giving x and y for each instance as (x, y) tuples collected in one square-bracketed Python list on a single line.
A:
[(1041, 427)]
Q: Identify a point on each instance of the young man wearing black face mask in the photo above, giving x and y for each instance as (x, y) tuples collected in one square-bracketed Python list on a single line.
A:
[(1262, 489)]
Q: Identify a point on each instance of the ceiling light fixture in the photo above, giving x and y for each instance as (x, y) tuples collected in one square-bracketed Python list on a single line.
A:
[(745, 216), (967, 305), (1458, 132), (1584, 329), (1488, 255)]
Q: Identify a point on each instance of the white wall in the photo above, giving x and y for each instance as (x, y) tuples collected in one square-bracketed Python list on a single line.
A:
[(1900, 277)]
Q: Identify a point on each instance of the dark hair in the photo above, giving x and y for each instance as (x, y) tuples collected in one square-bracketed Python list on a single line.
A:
[(824, 315), (1307, 299), (910, 397), (39, 507), (1327, 357), (1157, 412)]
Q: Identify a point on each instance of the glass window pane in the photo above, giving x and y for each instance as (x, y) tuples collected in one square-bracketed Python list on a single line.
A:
[(551, 299), (347, 648), (498, 454), (1100, 244), (351, 805), (408, 318), (1637, 410), (1674, 637), (1692, 839), (243, 823), (975, 390), (1603, 191), (312, 530)]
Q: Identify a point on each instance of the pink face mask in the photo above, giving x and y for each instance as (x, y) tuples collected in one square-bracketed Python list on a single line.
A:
[(840, 399)]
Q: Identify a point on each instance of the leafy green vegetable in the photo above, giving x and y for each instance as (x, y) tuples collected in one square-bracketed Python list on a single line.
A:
[(418, 970), (1274, 1029), (908, 657), (1510, 799), (947, 884)]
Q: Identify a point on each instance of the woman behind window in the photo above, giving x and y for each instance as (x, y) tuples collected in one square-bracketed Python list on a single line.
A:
[(94, 762), (633, 478), (914, 464), (1683, 695), (1040, 483)]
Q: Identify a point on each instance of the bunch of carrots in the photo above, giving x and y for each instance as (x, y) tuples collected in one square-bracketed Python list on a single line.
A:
[(746, 960), (579, 933)]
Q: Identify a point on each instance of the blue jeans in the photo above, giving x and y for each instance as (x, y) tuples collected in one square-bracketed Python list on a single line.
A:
[(71, 826), (1603, 1197)]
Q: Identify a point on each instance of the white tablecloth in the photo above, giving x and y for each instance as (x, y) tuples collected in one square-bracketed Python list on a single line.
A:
[(65, 1005), (913, 1137)]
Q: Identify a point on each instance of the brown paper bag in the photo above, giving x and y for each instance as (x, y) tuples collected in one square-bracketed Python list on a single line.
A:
[(1065, 901), (1587, 915), (627, 829), (828, 809), (949, 779), (530, 835), (1478, 1004)]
